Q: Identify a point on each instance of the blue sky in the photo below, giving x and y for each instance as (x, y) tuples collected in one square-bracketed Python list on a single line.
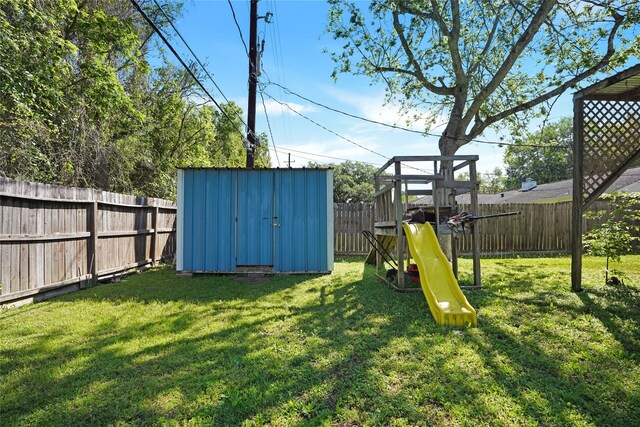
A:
[(294, 57)]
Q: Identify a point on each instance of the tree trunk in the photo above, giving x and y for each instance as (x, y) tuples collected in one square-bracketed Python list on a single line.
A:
[(453, 137)]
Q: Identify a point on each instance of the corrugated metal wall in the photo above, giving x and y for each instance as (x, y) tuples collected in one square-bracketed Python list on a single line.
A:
[(304, 202), (255, 218), (206, 217), (279, 219)]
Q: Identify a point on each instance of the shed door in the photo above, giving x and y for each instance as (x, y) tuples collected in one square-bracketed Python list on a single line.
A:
[(255, 218)]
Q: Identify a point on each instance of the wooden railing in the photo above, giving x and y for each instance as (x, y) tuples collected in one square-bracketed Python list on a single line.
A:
[(54, 238)]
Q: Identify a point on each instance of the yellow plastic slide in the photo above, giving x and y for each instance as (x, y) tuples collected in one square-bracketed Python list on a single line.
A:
[(446, 301)]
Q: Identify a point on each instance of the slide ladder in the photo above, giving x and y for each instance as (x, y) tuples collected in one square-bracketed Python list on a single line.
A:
[(446, 301)]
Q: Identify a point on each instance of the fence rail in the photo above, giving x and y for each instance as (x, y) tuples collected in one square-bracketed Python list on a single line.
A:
[(541, 228), (349, 221), (52, 237)]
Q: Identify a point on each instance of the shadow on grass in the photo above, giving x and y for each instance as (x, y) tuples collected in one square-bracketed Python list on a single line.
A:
[(339, 349), (162, 285), (206, 349), (554, 351), (618, 308)]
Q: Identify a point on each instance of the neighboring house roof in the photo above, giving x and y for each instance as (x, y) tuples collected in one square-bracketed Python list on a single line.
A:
[(553, 191)]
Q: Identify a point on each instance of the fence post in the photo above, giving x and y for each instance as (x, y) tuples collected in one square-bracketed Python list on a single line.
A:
[(93, 242), (154, 236)]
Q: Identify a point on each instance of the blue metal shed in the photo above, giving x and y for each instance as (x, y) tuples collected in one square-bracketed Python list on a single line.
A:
[(268, 220)]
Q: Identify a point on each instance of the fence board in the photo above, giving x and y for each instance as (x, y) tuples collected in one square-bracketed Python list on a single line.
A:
[(542, 228), (349, 221), (28, 210), (15, 249)]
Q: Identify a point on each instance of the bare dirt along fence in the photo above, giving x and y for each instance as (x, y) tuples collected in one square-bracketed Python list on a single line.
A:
[(56, 239)]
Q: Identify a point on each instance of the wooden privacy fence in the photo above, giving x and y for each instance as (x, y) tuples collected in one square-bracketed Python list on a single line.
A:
[(349, 221), (54, 237), (542, 228)]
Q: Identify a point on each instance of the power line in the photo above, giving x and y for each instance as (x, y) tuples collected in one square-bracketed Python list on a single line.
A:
[(333, 132), (323, 127), (235, 19), (286, 149), (269, 125), (179, 58), (302, 157), (354, 116), (168, 18), (335, 110)]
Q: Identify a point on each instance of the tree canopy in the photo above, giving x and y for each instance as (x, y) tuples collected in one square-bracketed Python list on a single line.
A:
[(544, 156), (352, 181), (481, 62), (490, 182), (83, 106)]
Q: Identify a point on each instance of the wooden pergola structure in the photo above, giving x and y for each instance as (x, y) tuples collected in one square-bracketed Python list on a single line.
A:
[(606, 142)]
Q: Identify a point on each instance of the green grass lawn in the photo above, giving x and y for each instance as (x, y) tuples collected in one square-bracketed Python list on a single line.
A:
[(340, 349)]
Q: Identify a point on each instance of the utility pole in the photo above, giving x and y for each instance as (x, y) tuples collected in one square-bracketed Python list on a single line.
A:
[(253, 83), (290, 161)]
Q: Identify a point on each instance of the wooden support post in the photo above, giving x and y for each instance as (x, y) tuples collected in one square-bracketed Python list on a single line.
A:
[(92, 248), (475, 235), (376, 213), (454, 255), (436, 206), (577, 208), (400, 232), (154, 236)]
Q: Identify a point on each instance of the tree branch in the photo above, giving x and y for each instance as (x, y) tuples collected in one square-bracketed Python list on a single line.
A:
[(453, 40), (487, 46), (417, 70), (515, 52), (479, 127)]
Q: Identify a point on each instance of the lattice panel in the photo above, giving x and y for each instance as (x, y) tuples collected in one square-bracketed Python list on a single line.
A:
[(611, 136)]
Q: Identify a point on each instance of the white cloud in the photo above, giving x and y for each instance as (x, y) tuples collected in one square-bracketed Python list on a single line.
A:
[(374, 107), (275, 108)]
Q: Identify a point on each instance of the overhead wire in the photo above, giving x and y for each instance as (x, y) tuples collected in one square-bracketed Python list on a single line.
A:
[(169, 20), (355, 116), (276, 48), (286, 150), (235, 19), (273, 141), (187, 68), (298, 156), (284, 104)]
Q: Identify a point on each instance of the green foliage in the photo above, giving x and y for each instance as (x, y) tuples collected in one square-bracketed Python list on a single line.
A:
[(85, 108), (493, 182), (339, 349), (352, 181), (619, 231), (490, 182), (480, 63), (544, 156)]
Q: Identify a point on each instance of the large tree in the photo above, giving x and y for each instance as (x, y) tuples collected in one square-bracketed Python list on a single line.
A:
[(544, 155), (481, 62), (81, 104)]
